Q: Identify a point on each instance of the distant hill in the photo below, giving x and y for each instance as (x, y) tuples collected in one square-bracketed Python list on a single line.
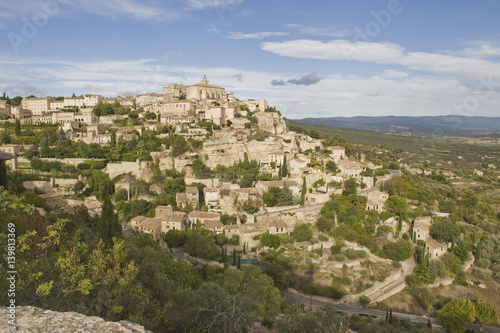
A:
[(448, 125)]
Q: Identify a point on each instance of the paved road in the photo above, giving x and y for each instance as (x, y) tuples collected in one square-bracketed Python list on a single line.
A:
[(492, 195), (308, 300), (180, 255)]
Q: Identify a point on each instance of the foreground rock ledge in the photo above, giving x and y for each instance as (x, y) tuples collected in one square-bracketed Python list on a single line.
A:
[(31, 319)]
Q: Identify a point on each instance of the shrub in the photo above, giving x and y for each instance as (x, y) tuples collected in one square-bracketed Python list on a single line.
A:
[(339, 257), (364, 300), (323, 238)]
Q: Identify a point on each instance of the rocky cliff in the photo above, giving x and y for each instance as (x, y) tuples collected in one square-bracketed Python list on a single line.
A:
[(31, 319)]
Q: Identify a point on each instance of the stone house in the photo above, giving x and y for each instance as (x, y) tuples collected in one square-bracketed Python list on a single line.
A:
[(435, 248), (211, 195), (265, 185), (54, 200), (350, 169), (338, 153), (214, 225), (317, 197), (376, 200), (202, 217), (421, 228)]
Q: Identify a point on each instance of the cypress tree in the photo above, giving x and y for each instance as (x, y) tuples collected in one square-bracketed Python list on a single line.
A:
[(234, 257), (108, 226), (3, 174), (390, 317), (239, 263), (303, 194), (285, 167), (18, 127)]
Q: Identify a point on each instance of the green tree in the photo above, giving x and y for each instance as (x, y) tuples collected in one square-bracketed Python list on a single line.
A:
[(350, 188), (303, 192), (107, 225), (302, 232), (323, 320), (115, 292), (254, 289), (364, 300), (270, 240), (121, 195), (200, 244), (399, 250), (17, 130), (179, 146), (397, 205), (175, 238), (3, 174), (444, 230), (284, 173), (486, 314), (323, 224), (455, 314), (331, 166)]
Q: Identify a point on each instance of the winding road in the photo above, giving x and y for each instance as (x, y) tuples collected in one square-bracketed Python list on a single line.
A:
[(310, 300)]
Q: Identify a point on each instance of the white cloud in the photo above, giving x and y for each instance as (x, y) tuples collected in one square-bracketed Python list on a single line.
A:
[(336, 95), (149, 10), (20, 89), (255, 35), (317, 31), (481, 50), (204, 4), (466, 69), (394, 74), (338, 49)]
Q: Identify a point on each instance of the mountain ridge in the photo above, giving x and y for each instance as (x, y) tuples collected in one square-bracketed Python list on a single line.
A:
[(446, 124)]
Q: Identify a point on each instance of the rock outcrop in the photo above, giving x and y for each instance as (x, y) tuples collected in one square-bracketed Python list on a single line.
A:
[(31, 319)]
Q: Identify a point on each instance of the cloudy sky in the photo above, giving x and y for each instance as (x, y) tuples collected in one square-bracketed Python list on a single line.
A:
[(317, 58)]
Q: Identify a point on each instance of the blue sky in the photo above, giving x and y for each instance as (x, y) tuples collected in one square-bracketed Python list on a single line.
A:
[(310, 59)]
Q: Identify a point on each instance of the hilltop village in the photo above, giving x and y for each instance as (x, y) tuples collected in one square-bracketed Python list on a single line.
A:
[(202, 173), (219, 131)]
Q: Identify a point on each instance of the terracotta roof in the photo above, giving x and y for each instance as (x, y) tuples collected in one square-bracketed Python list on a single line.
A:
[(213, 224), (204, 215), (191, 189), (151, 224)]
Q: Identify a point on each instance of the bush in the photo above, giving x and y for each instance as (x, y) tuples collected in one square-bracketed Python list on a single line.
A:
[(339, 257), (461, 279), (302, 232), (336, 249), (285, 238), (364, 300), (323, 238), (398, 251), (83, 166)]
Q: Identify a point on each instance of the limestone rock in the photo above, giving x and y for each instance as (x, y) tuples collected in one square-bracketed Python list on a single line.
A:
[(31, 319)]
